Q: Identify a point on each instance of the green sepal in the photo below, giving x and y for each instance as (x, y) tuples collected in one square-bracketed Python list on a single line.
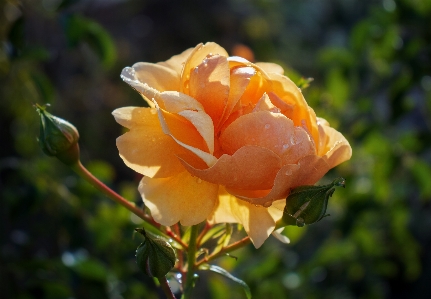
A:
[(308, 204), (154, 256)]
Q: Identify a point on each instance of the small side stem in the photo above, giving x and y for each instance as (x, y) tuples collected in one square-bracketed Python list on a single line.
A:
[(238, 244), (191, 259), (202, 234), (165, 287)]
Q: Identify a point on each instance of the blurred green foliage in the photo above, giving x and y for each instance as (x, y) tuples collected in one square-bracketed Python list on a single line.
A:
[(371, 64)]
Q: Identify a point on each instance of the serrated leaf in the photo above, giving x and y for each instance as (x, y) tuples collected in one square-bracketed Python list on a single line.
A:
[(226, 274)]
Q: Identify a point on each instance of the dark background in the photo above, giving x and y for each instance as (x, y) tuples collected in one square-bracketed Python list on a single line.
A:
[(371, 64)]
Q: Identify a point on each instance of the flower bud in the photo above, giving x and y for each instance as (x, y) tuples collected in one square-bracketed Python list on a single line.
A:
[(58, 137), (154, 256), (307, 204)]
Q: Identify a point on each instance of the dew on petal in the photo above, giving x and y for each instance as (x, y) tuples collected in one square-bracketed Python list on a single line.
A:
[(267, 204), (288, 172), (292, 140), (267, 126), (285, 146), (198, 180)]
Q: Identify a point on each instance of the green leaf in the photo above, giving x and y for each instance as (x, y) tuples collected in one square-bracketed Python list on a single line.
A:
[(226, 274), (154, 256), (79, 29), (307, 204), (212, 232)]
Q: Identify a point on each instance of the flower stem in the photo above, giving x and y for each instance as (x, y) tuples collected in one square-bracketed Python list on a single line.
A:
[(238, 244), (165, 287), (191, 259), (89, 177)]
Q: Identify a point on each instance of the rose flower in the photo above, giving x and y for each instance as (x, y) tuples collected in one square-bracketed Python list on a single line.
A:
[(224, 140)]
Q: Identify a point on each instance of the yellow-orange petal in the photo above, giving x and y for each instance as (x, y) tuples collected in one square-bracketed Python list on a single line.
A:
[(176, 62), (181, 198), (335, 149), (257, 221), (128, 75), (193, 111), (251, 167), (308, 171), (145, 148), (174, 102), (239, 80), (299, 145), (270, 67), (285, 90), (209, 84), (197, 55), (157, 76), (273, 131), (185, 134), (265, 104)]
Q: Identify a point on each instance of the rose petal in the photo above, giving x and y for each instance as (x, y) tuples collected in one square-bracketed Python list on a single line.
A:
[(209, 84), (175, 102), (273, 131), (307, 172), (145, 148), (157, 76), (198, 54), (265, 104), (176, 62), (335, 147), (239, 80), (251, 167), (297, 109), (270, 67), (192, 110), (178, 198), (185, 134), (257, 221), (299, 145)]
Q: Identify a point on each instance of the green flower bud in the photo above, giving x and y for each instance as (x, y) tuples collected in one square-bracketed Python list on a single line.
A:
[(58, 137), (154, 256), (307, 204)]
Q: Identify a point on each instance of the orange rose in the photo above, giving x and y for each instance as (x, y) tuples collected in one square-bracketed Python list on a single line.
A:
[(224, 139)]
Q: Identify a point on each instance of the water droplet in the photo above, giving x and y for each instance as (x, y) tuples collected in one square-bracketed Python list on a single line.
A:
[(292, 140), (285, 146), (300, 222), (267, 126), (288, 172), (267, 204), (153, 111), (198, 180), (153, 139)]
